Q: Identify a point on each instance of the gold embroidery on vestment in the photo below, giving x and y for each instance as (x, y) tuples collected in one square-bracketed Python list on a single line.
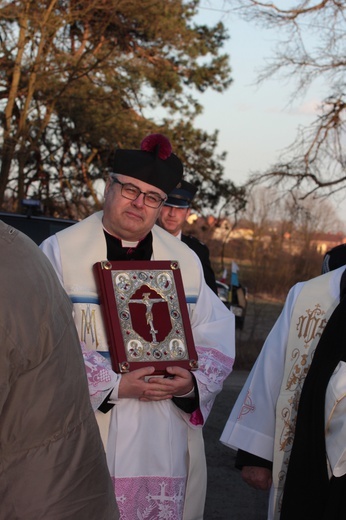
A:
[(305, 332), (88, 325)]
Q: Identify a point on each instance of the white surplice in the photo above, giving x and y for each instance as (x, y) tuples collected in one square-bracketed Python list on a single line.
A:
[(155, 451)]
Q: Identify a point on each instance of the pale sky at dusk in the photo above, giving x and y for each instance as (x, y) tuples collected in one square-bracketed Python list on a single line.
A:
[(255, 123)]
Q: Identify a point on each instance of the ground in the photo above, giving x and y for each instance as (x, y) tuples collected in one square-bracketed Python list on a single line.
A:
[(228, 497)]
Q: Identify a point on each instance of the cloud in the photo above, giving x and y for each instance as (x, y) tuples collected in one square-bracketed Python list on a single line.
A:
[(309, 108), (244, 107)]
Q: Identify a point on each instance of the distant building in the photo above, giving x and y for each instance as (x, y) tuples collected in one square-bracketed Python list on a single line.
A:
[(212, 230)]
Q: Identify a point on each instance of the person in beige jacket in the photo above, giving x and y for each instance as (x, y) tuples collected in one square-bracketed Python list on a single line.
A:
[(52, 463)]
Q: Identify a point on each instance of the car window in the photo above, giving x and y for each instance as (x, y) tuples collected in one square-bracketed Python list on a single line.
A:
[(37, 228)]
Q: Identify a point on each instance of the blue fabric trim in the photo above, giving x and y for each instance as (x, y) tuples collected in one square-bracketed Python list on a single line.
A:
[(85, 299), (105, 353), (96, 301)]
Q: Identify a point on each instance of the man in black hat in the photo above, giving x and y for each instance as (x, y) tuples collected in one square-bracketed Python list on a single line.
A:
[(175, 211), (334, 258), (151, 427)]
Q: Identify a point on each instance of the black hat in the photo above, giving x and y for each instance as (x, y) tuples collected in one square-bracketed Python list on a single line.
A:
[(334, 258), (154, 163), (182, 196)]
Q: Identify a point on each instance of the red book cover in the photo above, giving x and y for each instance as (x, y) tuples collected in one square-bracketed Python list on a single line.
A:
[(145, 315)]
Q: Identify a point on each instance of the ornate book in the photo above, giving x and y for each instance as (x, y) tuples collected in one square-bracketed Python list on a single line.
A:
[(145, 315)]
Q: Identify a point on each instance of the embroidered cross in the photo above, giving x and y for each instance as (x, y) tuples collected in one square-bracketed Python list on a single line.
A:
[(149, 302)]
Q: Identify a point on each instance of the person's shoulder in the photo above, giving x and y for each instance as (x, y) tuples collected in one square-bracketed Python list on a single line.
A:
[(16, 238), (22, 259), (7, 232), (327, 278), (191, 239), (165, 240), (92, 222), (197, 246)]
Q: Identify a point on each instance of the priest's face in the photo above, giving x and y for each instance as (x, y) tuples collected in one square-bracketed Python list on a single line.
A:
[(131, 219)]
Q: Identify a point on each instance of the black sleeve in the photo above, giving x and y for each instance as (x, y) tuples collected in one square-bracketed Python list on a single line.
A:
[(245, 458), (105, 406), (209, 276), (185, 403), (203, 252)]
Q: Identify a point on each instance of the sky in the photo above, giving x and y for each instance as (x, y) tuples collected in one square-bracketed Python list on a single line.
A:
[(255, 123)]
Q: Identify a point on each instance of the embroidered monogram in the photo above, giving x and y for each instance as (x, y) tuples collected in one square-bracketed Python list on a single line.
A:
[(311, 324)]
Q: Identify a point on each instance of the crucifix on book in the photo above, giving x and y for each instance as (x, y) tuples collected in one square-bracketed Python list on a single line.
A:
[(149, 302)]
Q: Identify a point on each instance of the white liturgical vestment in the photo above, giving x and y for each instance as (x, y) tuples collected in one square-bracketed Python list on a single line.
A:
[(155, 450), (263, 418)]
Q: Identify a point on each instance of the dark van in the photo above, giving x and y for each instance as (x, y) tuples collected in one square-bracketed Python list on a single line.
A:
[(36, 227)]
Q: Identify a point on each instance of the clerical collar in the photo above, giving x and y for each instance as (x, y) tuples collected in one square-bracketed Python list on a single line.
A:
[(141, 250), (124, 243)]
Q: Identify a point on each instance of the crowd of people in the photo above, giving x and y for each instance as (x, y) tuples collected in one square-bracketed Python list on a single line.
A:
[(83, 439)]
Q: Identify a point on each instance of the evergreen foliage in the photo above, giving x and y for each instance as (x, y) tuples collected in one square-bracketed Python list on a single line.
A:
[(79, 78)]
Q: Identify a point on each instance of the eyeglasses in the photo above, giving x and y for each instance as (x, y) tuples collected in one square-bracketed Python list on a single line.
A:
[(131, 192)]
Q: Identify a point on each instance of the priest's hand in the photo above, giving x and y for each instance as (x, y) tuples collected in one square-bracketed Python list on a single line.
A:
[(257, 477), (134, 384), (179, 383)]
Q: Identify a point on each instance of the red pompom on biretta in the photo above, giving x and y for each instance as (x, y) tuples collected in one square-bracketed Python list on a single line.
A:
[(152, 141)]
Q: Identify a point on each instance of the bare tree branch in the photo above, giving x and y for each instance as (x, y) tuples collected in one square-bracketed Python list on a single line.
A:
[(311, 46)]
